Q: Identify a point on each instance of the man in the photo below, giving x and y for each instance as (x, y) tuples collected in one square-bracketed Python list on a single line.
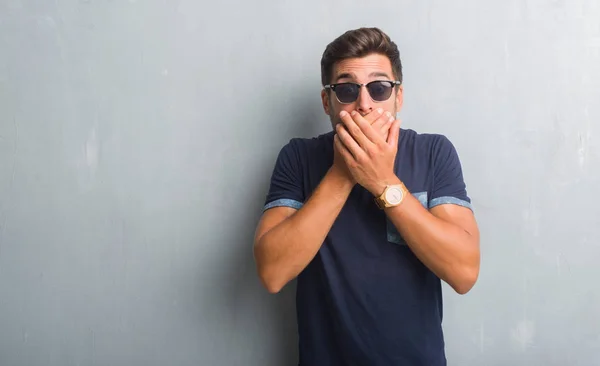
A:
[(369, 218)]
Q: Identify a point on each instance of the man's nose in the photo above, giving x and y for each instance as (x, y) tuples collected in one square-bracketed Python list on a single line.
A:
[(364, 101)]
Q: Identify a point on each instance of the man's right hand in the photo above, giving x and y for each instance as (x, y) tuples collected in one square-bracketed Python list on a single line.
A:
[(380, 122)]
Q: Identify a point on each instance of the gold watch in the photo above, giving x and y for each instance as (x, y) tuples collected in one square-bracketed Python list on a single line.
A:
[(392, 195)]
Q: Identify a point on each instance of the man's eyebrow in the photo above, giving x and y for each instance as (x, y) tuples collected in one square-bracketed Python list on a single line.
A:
[(379, 74), (347, 75)]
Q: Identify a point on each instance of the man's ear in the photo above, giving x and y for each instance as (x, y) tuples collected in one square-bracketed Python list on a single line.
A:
[(325, 101), (399, 98)]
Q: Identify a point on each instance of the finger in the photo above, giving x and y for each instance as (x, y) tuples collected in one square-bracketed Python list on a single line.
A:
[(385, 125), (348, 142), (382, 122), (368, 135), (342, 149), (355, 124), (386, 132), (374, 115), (394, 134), (377, 133)]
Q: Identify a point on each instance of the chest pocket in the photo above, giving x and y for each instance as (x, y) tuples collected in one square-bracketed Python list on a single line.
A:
[(393, 236)]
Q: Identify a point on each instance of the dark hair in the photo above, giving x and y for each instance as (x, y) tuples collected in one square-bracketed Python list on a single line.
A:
[(359, 43)]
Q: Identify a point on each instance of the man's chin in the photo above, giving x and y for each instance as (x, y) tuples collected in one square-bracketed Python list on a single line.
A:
[(334, 122)]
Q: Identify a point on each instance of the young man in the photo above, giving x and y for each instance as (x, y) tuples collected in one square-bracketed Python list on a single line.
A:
[(369, 218)]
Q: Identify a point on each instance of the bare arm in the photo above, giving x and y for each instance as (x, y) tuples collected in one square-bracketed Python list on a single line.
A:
[(445, 239), (287, 240)]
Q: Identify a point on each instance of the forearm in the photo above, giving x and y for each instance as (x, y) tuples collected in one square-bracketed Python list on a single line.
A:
[(445, 248), (285, 250)]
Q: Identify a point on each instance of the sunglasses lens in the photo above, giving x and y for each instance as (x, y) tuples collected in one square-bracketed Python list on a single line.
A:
[(346, 93), (380, 90)]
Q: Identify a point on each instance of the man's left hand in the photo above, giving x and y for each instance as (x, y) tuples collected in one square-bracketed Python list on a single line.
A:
[(368, 155)]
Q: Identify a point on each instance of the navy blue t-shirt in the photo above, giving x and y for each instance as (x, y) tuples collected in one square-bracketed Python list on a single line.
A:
[(366, 299)]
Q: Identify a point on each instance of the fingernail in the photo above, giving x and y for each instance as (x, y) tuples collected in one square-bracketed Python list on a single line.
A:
[(379, 110), (388, 114), (352, 113), (391, 119), (343, 113)]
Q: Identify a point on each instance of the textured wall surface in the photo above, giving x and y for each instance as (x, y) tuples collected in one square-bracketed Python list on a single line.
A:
[(137, 139)]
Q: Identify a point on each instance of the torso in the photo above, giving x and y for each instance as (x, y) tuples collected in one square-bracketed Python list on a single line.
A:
[(365, 299)]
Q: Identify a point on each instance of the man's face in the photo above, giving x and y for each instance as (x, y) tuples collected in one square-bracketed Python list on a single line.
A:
[(362, 71)]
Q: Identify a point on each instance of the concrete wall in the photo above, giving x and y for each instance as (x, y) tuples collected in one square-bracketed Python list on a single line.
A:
[(137, 139)]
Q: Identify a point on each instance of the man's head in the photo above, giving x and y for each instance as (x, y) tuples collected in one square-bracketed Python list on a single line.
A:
[(361, 56)]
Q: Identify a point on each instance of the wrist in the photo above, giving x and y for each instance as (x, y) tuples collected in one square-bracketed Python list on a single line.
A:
[(378, 187), (343, 181)]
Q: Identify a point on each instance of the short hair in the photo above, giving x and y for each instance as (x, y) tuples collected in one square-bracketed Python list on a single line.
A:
[(358, 43)]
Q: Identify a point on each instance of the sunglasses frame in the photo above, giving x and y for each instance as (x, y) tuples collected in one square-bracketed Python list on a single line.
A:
[(333, 86)]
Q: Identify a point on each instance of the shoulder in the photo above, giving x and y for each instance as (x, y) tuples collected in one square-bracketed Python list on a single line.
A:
[(436, 155), (303, 148), (425, 138), (312, 142), (426, 145)]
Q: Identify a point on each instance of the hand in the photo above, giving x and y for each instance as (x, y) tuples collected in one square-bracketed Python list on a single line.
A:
[(369, 157), (380, 122)]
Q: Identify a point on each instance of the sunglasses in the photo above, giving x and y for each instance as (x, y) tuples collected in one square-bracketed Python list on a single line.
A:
[(379, 90)]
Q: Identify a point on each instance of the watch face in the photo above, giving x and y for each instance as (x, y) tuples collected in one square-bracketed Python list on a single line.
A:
[(393, 195)]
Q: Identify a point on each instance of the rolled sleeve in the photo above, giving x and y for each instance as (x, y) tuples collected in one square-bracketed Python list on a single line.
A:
[(448, 183), (285, 189)]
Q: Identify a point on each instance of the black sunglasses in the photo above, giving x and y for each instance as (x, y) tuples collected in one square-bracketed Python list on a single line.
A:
[(379, 90)]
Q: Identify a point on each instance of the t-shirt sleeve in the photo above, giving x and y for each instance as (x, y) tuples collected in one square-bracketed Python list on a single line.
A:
[(448, 183), (286, 180)]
